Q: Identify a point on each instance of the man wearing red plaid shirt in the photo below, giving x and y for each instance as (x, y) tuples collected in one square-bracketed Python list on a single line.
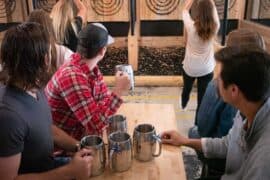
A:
[(80, 101)]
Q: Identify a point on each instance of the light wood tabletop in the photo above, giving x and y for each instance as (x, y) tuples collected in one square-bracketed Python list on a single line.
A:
[(169, 165)]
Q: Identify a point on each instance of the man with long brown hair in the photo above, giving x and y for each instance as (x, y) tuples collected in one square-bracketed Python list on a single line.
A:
[(27, 135)]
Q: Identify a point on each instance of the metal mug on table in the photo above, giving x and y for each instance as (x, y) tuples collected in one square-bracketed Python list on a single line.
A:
[(128, 69), (144, 142), (117, 123), (120, 151), (95, 143)]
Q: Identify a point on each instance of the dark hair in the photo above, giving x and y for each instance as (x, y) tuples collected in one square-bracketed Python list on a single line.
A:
[(204, 20), (23, 52), (248, 67), (91, 40), (43, 18), (88, 53)]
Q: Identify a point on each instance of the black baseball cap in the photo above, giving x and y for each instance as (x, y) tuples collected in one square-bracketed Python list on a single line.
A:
[(94, 36)]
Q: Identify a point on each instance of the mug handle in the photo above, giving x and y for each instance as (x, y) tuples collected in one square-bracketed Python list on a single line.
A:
[(157, 139), (114, 149), (102, 160)]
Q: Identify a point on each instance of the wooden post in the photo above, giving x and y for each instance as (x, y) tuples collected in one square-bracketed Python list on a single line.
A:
[(31, 6), (133, 46)]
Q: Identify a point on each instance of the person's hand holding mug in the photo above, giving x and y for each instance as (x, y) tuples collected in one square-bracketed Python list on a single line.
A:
[(122, 83), (81, 164)]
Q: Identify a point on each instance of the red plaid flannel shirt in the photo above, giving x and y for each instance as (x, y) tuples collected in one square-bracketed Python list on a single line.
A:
[(80, 101)]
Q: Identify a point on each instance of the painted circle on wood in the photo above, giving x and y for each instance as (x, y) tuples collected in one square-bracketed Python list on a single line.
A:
[(265, 4), (162, 7), (46, 5), (7, 7), (107, 7)]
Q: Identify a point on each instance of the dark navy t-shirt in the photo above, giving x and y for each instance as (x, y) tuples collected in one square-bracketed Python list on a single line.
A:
[(25, 127)]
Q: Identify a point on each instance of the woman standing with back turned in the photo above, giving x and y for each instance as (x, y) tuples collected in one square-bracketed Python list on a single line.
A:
[(67, 23), (199, 59)]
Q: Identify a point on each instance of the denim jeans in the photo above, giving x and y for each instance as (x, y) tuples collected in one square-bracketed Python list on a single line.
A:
[(202, 83)]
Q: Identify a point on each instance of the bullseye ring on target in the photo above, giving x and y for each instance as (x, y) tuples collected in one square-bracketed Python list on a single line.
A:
[(7, 7), (106, 7), (265, 4), (162, 7), (44, 4)]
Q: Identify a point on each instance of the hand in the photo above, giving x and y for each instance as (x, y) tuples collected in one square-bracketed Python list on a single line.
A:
[(81, 164), (122, 83), (174, 138)]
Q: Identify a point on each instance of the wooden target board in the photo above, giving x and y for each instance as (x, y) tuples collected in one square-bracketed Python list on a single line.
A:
[(264, 9), (107, 10), (160, 9), (7, 11), (46, 5), (235, 8)]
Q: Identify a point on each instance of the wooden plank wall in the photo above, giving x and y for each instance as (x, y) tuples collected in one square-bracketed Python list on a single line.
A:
[(263, 30), (161, 10), (171, 10), (264, 9)]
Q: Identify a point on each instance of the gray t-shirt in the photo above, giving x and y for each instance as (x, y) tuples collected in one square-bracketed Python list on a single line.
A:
[(26, 129)]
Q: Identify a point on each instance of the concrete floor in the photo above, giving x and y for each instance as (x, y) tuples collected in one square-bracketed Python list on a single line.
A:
[(185, 119), (167, 95)]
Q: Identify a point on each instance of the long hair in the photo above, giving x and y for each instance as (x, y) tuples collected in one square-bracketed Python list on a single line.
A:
[(204, 20), (43, 18), (24, 56), (63, 16)]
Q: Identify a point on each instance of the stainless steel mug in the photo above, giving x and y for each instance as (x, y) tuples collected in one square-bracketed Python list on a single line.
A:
[(120, 151), (95, 143), (128, 69), (144, 142), (117, 123)]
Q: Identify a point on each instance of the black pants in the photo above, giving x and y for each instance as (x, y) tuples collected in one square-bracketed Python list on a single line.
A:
[(202, 83)]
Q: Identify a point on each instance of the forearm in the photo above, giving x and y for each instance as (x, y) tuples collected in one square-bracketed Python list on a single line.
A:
[(63, 173), (194, 143), (81, 9), (188, 4), (79, 4), (63, 140), (215, 147)]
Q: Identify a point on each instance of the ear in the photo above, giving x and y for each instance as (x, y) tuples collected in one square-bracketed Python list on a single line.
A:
[(234, 91), (102, 51)]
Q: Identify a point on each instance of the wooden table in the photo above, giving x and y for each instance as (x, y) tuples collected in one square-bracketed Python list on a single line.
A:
[(169, 165)]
